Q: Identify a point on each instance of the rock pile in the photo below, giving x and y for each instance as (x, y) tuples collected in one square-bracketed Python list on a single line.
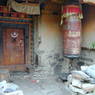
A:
[(83, 81)]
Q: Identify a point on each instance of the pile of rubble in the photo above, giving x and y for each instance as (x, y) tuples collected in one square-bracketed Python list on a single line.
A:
[(83, 81), (6, 86)]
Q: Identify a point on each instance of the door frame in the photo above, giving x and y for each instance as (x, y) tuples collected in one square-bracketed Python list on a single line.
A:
[(26, 38)]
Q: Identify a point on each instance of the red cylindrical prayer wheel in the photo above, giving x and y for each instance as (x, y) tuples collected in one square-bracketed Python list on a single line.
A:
[(72, 30)]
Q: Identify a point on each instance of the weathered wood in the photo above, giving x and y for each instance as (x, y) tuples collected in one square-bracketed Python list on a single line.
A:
[(13, 46), (16, 67)]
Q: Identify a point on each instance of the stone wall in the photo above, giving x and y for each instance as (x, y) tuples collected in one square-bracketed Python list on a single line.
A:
[(49, 41)]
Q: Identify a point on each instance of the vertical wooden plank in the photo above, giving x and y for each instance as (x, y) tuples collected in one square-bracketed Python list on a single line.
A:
[(1, 46)]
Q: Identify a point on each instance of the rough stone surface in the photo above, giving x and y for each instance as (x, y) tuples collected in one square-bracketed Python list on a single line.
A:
[(45, 86)]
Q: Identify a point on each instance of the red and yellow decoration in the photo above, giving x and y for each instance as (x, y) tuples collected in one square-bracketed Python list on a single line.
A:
[(70, 10), (9, 16), (5, 12)]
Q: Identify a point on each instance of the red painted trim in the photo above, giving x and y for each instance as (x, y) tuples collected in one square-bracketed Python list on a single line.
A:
[(15, 22), (71, 9), (16, 18)]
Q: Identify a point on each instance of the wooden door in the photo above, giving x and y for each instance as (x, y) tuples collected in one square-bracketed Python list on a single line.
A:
[(13, 46)]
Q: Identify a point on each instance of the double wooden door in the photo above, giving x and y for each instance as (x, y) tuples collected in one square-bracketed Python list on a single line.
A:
[(13, 46)]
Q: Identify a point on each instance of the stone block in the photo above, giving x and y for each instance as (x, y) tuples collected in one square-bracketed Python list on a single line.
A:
[(4, 74)]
